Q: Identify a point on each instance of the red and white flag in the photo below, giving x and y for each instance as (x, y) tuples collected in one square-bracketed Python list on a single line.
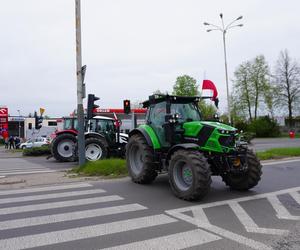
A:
[(209, 90)]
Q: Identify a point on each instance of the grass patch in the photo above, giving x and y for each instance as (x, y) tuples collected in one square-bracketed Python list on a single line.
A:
[(277, 153), (108, 168)]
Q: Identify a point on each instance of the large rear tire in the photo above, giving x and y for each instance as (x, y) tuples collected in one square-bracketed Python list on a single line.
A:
[(189, 175), (248, 180), (63, 147), (95, 149), (139, 157)]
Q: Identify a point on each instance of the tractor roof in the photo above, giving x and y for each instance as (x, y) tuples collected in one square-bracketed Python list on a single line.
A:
[(153, 99)]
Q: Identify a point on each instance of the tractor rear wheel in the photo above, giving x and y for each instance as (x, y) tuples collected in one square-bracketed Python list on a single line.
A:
[(248, 180), (139, 158), (189, 174), (95, 149), (63, 147)]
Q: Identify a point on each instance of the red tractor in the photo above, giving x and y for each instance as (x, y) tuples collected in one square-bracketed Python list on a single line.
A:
[(102, 140)]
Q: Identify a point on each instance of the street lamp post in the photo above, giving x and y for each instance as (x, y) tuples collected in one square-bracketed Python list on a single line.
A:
[(19, 123), (224, 30)]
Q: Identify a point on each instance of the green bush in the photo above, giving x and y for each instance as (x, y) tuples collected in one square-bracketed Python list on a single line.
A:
[(1, 141), (44, 150), (264, 127)]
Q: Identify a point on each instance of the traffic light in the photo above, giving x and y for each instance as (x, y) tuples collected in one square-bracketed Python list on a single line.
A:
[(38, 121), (91, 105), (126, 105)]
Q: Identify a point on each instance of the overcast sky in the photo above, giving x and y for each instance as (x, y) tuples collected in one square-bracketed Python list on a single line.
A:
[(131, 47)]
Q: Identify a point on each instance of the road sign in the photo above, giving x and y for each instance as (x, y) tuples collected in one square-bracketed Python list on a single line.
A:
[(42, 110)]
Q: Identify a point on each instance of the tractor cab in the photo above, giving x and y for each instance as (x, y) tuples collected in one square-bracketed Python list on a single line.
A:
[(167, 114)]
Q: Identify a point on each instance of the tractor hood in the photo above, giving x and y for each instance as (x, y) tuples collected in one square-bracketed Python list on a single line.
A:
[(219, 125), (193, 128)]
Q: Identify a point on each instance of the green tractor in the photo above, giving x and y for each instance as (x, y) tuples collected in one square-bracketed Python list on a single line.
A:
[(174, 139)]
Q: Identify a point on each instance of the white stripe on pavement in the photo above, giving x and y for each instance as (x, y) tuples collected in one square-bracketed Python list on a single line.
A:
[(46, 188), (54, 218), (281, 211), (296, 196), (60, 204), (51, 196), (249, 224), (86, 232), (31, 172), (171, 242), (279, 162)]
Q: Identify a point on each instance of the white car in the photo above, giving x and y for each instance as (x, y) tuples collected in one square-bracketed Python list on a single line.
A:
[(38, 142)]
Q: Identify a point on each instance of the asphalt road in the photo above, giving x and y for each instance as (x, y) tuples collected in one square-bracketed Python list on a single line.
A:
[(14, 164), (119, 214)]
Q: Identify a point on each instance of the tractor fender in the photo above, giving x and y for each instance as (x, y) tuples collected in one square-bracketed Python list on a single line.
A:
[(180, 146), (67, 131), (143, 133), (96, 135)]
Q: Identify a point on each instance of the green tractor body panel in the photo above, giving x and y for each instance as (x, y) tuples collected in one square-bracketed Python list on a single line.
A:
[(152, 135), (215, 139)]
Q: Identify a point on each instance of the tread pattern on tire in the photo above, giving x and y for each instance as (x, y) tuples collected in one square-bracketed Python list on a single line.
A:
[(148, 173), (248, 180), (202, 181)]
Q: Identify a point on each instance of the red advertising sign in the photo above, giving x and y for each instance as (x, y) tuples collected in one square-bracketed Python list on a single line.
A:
[(4, 122)]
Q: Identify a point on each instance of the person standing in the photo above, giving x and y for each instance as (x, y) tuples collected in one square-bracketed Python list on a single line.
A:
[(11, 142), (6, 142)]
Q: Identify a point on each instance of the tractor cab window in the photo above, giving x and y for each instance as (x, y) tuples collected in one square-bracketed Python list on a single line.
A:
[(157, 114), (105, 126), (186, 111), (68, 124)]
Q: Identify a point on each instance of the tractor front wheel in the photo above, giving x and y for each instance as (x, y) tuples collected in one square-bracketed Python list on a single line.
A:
[(63, 147), (189, 174), (248, 180), (95, 149), (139, 158)]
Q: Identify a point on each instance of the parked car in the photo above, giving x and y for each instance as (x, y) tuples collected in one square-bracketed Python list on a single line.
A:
[(38, 142)]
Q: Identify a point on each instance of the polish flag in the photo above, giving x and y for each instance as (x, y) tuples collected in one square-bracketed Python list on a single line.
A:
[(209, 90)]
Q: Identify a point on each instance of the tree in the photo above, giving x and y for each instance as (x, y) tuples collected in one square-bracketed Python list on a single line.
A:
[(251, 86), (185, 86), (287, 82)]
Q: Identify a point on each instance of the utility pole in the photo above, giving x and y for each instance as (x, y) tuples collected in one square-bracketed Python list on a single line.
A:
[(224, 30), (80, 92)]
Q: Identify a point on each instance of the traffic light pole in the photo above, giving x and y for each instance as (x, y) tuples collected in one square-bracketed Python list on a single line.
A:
[(80, 110)]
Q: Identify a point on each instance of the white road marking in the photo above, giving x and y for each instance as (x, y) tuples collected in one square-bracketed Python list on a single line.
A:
[(31, 172), (296, 196), (86, 232), (51, 196), (54, 218), (282, 212), (280, 162), (46, 188), (171, 242), (249, 224), (60, 204), (200, 219), (2, 176)]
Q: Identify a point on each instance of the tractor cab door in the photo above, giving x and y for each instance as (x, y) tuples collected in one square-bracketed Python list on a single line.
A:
[(107, 128), (156, 120)]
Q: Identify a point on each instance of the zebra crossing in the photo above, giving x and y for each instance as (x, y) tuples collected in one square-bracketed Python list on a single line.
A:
[(20, 166), (35, 209), (81, 216), (200, 218)]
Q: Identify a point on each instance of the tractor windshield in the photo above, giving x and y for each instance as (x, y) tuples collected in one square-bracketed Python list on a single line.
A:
[(187, 112)]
